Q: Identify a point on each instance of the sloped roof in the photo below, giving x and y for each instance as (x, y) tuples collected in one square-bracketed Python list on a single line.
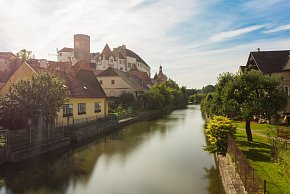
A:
[(143, 76), (107, 52), (95, 55), (58, 66), (66, 49), (243, 68), (134, 55), (1, 84), (120, 56), (269, 61), (129, 79), (80, 82), (8, 55)]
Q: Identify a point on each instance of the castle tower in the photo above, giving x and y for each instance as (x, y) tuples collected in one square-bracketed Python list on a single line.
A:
[(82, 47)]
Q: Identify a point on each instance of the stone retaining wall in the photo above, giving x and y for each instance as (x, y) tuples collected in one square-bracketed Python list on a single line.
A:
[(230, 178), (30, 151)]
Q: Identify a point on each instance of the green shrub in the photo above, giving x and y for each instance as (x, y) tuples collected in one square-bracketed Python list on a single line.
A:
[(216, 131)]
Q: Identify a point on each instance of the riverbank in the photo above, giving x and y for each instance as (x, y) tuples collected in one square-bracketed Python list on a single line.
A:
[(162, 156), (79, 136)]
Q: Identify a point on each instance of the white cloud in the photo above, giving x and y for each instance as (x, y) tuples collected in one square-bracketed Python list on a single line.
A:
[(279, 28), (43, 26), (261, 5), (234, 33)]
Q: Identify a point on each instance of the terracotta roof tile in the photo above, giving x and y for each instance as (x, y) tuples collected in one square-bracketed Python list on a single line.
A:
[(107, 53), (134, 82), (81, 83), (66, 49)]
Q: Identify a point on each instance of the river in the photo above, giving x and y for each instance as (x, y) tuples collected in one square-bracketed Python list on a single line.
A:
[(163, 156)]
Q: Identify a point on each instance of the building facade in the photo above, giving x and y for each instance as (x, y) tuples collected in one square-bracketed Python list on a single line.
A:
[(273, 63), (120, 58), (87, 99)]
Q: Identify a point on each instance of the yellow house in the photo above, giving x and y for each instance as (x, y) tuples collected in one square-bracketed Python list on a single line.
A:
[(87, 100)]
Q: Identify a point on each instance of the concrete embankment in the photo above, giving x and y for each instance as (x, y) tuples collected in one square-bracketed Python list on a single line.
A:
[(74, 137), (24, 152), (230, 178), (94, 132)]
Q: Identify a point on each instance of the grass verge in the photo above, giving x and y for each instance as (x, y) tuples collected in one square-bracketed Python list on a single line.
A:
[(258, 152)]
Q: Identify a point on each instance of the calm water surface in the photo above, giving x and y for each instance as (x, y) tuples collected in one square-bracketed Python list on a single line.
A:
[(164, 156)]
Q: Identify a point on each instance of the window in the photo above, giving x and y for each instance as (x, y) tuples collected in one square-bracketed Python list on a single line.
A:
[(112, 93), (98, 107), (123, 91), (120, 61), (60, 54), (121, 68), (81, 108), (67, 110), (111, 60), (129, 65), (112, 82), (101, 82)]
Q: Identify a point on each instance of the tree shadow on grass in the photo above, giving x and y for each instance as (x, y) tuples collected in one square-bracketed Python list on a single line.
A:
[(256, 151)]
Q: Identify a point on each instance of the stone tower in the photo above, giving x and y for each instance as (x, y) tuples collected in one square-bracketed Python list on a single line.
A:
[(82, 47)]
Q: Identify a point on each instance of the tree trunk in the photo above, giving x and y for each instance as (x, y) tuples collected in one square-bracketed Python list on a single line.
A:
[(248, 130)]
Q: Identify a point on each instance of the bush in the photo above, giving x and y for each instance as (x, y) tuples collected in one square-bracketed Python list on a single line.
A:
[(216, 131)]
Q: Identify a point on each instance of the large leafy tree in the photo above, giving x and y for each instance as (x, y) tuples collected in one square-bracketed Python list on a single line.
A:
[(24, 55), (38, 98), (247, 95)]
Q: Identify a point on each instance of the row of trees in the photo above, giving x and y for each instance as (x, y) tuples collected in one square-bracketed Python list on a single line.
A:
[(245, 96), (165, 97), (200, 94)]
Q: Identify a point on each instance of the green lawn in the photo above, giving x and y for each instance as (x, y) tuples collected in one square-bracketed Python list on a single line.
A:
[(258, 152)]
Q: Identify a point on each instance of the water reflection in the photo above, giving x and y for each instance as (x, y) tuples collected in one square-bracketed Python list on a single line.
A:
[(162, 156)]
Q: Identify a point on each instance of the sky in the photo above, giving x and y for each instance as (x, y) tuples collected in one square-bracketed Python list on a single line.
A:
[(193, 40)]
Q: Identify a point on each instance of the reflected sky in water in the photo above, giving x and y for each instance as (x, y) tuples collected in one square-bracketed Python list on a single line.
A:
[(152, 157)]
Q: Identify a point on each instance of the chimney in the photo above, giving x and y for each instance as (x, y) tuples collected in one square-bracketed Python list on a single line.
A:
[(258, 49), (43, 63), (123, 46)]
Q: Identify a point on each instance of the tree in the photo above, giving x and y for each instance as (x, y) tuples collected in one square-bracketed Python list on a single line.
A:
[(127, 98), (24, 55), (165, 97), (258, 95), (217, 131), (247, 95), (207, 89), (39, 98)]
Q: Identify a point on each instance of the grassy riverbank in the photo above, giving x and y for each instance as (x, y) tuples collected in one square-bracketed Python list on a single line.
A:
[(275, 171)]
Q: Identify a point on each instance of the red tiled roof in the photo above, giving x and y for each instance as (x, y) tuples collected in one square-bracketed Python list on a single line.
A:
[(81, 83), (143, 76), (1, 84), (8, 56), (107, 52), (66, 49), (135, 83)]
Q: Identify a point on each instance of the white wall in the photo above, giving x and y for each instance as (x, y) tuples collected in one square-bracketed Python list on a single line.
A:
[(65, 56)]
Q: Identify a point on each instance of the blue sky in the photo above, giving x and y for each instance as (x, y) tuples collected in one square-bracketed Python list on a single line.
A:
[(194, 40)]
